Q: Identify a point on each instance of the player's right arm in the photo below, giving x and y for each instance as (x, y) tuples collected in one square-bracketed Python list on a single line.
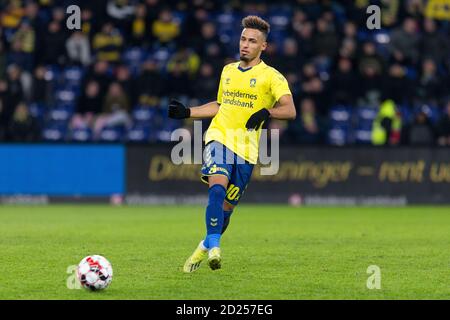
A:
[(208, 110), (178, 110)]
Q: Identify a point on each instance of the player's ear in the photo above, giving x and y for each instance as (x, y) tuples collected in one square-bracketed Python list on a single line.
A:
[(264, 46)]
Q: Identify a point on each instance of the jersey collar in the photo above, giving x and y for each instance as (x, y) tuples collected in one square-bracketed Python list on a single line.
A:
[(244, 70)]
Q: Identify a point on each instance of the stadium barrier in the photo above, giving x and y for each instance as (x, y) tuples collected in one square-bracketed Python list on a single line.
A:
[(306, 176), (43, 173), (138, 174)]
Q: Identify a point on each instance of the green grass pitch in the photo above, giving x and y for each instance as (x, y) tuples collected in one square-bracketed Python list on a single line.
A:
[(269, 252)]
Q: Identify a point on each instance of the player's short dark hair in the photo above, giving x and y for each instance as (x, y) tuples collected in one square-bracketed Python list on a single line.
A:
[(255, 22)]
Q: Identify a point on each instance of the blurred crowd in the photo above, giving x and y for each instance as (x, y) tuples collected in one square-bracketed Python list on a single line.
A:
[(112, 79)]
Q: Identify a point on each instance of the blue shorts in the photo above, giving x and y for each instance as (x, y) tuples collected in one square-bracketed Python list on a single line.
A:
[(218, 159)]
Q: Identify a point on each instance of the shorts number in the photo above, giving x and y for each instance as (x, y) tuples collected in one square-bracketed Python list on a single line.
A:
[(233, 192)]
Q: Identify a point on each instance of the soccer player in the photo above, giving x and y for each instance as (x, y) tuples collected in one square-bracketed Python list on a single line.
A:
[(250, 92)]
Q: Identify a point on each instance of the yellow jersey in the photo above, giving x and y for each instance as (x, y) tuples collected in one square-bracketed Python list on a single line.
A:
[(241, 93)]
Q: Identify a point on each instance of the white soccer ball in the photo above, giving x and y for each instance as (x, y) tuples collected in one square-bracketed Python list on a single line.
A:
[(95, 272)]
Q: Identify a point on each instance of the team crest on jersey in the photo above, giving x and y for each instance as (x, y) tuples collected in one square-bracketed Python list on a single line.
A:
[(252, 82)]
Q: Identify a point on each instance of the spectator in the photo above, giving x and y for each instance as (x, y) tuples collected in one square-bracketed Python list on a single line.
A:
[(123, 77), (12, 15), (305, 36), (205, 87), (434, 45), (120, 11), (370, 86), (115, 110), (78, 48), (397, 86), (3, 58), (326, 41), (387, 126), (89, 106), (107, 44), (139, 27), (86, 22), (150, 85), (429, 86), (421, 131), (404, 42), (100, 73), (52, 49), (24, 43), (165, 29), (369, 56), (343, 83), (41, 89), (307, 128), (182, 68), (4, 113), (14, 90), (291, 59), (313, 87), (443, 127), (22, 127)]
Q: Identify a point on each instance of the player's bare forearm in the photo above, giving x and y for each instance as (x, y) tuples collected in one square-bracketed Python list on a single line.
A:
[(208, 110), (284, 109)]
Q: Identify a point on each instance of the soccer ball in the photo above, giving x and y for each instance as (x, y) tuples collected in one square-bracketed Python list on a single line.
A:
[(95, 272)]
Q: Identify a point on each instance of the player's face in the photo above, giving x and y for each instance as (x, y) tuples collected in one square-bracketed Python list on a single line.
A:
[(251, 45)]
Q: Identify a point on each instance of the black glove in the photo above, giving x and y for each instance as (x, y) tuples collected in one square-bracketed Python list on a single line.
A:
[(257, 119), (177, 110)]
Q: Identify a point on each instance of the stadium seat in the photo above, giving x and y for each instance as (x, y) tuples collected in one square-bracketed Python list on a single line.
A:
[(55, 131), (340, 119), (364, 119), (81, 134), (133, 58), (144, 113), (112, 134), (66, 97), (61, 113), (139, 133), (432, 112)]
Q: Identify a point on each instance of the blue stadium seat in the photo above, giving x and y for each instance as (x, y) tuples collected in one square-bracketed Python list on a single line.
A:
[(139, 133), (112, 134), (226, 26), (133, 58), (365, 116), (340, 116), (144, 113), (406, 113), (73, 76), (60, 113), (55, 131), (338, 136), (66, 97), (37, 111), (81, 134), (364, 119), (433, 112), (340, 119)]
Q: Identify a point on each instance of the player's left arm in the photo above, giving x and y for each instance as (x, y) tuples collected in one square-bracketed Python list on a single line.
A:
[(284, 109)]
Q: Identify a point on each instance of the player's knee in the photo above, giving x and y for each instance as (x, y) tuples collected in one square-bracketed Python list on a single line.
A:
[(227, 206)]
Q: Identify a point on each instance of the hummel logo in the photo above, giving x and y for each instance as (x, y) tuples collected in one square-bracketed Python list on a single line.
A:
[(213, 222)]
